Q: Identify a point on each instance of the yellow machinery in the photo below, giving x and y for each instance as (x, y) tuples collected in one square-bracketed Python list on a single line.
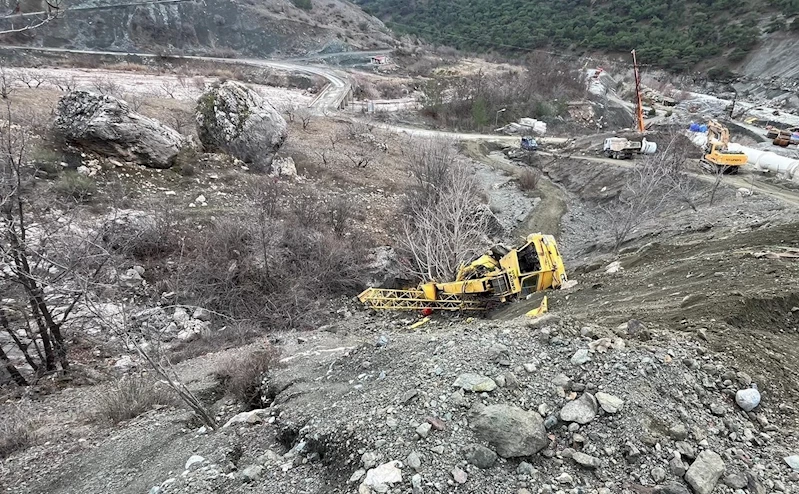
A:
[(498, 276), (717, 155)]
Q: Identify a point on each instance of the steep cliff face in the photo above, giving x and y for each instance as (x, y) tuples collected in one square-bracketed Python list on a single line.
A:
[(214, 27)]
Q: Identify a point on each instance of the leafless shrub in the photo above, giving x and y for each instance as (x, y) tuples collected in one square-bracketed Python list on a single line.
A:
[(340, 214), (233, 335), (528, 179), (16, 432), (75, 187), (169, 89), (305, 115), (360, 157), (134, 101), (244, 376), (182, 121), (430, 163), (131, 396), (357, 129), (106, 86), (646, 189), (66, 84)]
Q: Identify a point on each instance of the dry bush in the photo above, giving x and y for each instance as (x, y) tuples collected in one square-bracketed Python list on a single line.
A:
[(129, 67), (244, 377), (131, 396), (528, 179), (75, 187), (144, 239), (233, 335), (16, 432)]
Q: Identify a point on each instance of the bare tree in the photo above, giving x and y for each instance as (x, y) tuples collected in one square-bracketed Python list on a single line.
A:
[(642, 197), (718, 173), (28, 21), (448, 229), (66, 84), (44, 262), (360, 157), (6, 83), (106, 86), (290, 109), (169, 89), (305, 115), (29, 79), (182, 121)]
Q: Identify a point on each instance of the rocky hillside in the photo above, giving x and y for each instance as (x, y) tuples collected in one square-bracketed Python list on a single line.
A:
[(213, 27)]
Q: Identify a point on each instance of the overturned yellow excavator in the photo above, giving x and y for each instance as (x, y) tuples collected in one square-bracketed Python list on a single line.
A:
[(498, 276)]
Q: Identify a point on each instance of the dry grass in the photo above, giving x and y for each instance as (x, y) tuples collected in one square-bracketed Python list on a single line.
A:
[(244, 376), (16, 432), (528, 180), (131, 396)]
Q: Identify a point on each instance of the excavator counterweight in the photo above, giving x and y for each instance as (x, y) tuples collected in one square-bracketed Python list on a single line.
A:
[(495, 277)]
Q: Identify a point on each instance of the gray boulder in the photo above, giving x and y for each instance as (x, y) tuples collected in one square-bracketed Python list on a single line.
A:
[(107, 126), (511, 431), (705, 472), (234, 119)]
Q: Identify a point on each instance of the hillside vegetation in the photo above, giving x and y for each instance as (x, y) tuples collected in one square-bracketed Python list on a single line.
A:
[(674, 34)]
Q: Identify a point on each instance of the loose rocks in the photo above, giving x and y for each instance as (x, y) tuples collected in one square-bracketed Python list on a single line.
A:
[(480, 456), (475, 383), (705, 472), (510, 430), (585, 460), (581, 410), (747, 399), (609, 403)]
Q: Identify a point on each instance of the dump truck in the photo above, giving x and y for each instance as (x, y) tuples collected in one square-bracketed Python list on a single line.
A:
[(501, 275), (622, 148), (718, 156)]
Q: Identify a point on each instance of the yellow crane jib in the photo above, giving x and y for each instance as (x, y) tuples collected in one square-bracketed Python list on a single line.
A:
[(498, 276)]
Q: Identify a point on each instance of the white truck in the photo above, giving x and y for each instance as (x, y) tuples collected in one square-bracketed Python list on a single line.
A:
[(622, 148)]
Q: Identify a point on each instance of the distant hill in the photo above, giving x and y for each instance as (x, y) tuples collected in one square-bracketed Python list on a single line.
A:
[(673, 34), (210, 27)]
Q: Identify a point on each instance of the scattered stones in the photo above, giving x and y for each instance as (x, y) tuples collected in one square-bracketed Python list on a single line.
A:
[(586, 460), (480, 456), (582, 410), (747, 399), (658, 474), (414, 460), (678, 432), (385, 474), (677, 466), (705, 472), (525, 468), (671, 488), (735, 481), (459, 475), (408, 396), (609, 403), (475, 383), (437, 423), (793, 462), (194, 461), (510, 430), (581, 357), (252, 473), (251, 417), (423, 430)]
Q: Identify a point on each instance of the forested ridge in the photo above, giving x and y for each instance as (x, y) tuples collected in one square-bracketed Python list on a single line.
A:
[(675, 34)]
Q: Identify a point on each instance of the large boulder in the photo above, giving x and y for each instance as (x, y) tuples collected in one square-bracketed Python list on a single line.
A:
[(510, 430), (233, 119), (107, 126)]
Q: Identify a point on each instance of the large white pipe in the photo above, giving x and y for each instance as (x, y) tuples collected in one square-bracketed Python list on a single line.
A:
[(770, 161)]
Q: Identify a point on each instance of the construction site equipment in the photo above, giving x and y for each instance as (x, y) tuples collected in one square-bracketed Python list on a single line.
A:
[(621, 148), (498, 276), (639, 107), (529, 144), (718, 155)]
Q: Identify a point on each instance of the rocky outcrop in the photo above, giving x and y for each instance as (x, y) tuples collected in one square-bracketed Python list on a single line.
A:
[(107, 126), (234, 119)]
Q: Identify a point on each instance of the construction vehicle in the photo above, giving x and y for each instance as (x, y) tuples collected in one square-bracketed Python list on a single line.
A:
[(784, 138), (501, 275), (622, 148), (529, 144), (717, 155)]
